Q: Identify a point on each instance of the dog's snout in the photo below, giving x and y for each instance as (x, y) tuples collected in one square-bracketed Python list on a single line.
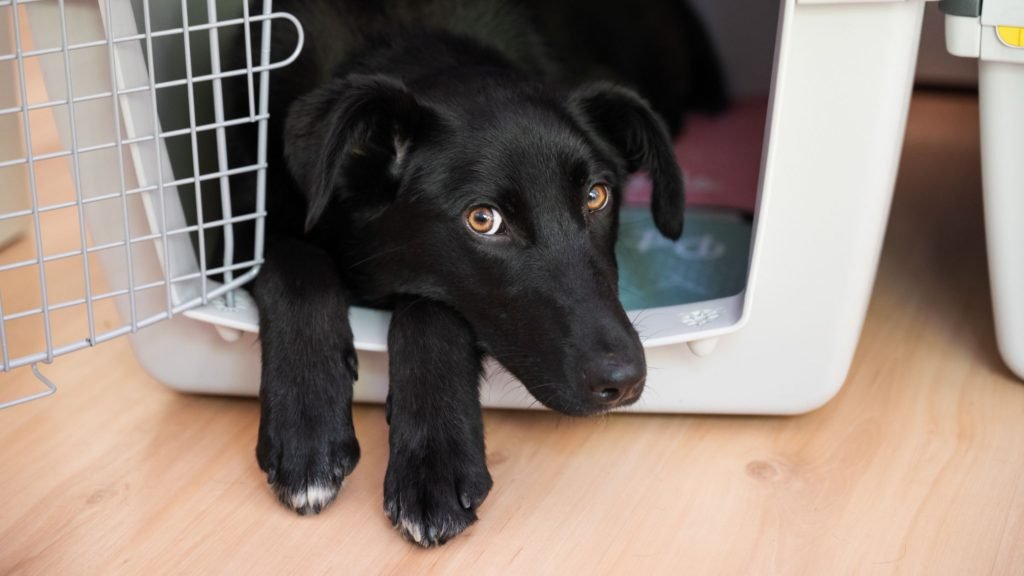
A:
[(617, 381)]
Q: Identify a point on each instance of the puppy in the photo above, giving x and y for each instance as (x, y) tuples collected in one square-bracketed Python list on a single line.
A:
[(453, 161)]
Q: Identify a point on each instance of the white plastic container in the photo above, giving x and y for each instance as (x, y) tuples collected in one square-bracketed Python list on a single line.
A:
[(1001, 88), (839, 92), (993, 32)]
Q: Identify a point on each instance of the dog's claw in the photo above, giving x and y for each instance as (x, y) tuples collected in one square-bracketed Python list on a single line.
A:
[(415, 533), (466, 501)]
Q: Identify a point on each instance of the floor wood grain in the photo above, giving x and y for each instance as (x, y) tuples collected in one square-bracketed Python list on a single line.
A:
[(916, 467)]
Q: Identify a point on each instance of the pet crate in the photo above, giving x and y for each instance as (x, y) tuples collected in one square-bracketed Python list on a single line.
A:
[(993, 32), (757, 309)]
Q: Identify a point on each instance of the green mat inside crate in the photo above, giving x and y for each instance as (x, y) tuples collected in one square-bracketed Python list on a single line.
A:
[(709, 261)]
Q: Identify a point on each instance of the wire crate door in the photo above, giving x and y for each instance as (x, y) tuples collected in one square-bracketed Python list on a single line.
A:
[(115, 74)]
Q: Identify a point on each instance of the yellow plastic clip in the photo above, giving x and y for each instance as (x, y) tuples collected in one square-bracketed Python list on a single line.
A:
[(1012, 36)]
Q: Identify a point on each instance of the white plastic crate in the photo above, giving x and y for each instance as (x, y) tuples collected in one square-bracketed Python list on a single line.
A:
[(838, 90), (993, 32)]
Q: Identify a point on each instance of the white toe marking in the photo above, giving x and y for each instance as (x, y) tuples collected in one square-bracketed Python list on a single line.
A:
[(315, 495), (412, 529), (319, 495)]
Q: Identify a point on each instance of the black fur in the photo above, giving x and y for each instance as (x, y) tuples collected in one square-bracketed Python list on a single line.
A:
[(306, 439), (437, 473), (398, 118)]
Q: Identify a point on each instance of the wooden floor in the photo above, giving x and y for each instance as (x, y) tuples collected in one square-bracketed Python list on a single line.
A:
[(916, 467)]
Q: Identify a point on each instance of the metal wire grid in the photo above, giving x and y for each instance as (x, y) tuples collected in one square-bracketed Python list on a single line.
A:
[(156, 192)]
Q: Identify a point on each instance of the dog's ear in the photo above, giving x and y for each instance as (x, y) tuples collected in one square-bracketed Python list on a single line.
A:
[(625, 121), (351, 136)]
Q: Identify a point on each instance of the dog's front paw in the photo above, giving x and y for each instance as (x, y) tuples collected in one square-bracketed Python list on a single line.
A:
[(431, 497), (306, 463)]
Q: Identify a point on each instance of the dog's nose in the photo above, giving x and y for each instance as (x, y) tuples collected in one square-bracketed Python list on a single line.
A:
[(617, 382)]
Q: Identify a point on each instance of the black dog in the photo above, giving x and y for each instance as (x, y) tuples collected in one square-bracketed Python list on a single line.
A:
[(438, 157)]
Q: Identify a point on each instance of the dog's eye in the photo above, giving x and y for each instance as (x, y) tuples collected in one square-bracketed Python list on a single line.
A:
[(598, 197), (484, 220)]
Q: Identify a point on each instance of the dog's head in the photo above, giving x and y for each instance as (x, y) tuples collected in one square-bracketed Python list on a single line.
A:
[(500, 200)]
